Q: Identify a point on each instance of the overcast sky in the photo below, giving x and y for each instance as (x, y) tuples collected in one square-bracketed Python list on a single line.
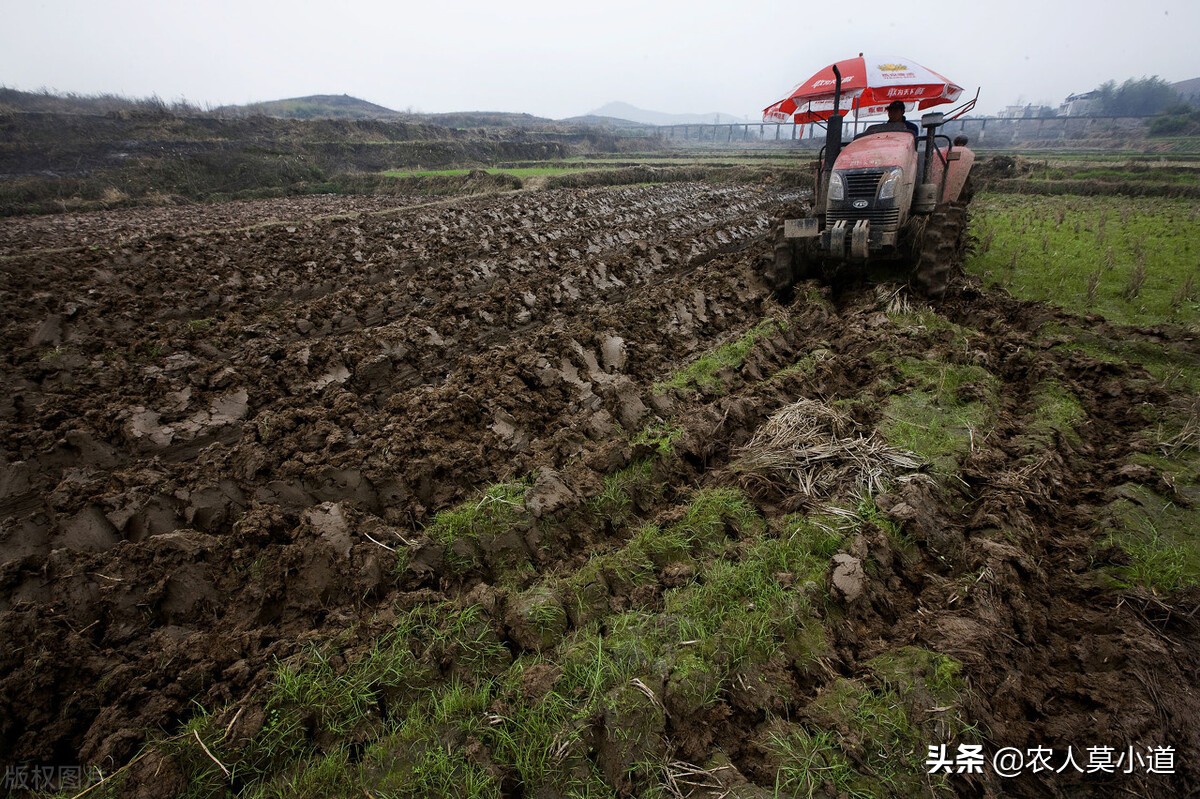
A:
[(557, 59)]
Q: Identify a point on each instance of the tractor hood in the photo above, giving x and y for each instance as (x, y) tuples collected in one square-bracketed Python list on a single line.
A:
[(880, 151)]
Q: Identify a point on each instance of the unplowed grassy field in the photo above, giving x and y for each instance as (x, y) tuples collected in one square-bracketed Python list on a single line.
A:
[(539, 493)]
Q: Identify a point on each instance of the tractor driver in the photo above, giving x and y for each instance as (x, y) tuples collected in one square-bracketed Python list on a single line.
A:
[(895, 112), (895, 123)]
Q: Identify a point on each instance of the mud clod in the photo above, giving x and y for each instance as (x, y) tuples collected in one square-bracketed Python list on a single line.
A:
[(848, 578)]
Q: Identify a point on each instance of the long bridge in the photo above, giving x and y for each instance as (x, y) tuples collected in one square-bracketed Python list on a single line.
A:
[(980, 130)]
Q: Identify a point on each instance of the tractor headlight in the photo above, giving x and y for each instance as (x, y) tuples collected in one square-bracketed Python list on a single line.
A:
[(891, 180), (837, 187)]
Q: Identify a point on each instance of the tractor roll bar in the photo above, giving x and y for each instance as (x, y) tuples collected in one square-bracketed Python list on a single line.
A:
[(955, 113)]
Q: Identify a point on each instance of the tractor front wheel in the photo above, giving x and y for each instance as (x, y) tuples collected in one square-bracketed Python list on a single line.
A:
[(794, 261)]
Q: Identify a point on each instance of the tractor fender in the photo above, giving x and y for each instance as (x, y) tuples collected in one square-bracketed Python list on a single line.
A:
[(957, 171)]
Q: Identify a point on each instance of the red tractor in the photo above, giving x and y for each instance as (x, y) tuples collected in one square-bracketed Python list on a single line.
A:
[(892, 195)]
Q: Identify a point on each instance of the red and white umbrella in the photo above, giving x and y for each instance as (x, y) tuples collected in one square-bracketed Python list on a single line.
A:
[(868, 86)]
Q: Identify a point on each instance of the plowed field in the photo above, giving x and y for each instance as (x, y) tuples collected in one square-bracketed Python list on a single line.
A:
[(560, 452)]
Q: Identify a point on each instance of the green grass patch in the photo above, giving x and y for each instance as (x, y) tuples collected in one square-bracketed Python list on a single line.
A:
[(867, 512), (426, 173), (1056, 410), (624, 493), (748, 600), (733, 157), (713, 512), (1161, 539), (742, 610), (704, 373), (497, 512), (928, 321), (807, 365), (1181, 176), (810, 763), (700, 531), (1134, 260), (741, 615), (426, 756), (1180, 468), (943, 410), (333, 774), (735, 614), (1115, 169), (659, 435), (868, 737), (545, 741)]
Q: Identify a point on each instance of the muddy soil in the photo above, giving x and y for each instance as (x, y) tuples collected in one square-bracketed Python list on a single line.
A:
[(227, 392), (217, 424), (178, 217)]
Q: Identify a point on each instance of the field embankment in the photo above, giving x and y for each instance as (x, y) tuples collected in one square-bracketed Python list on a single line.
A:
[(62, 162)]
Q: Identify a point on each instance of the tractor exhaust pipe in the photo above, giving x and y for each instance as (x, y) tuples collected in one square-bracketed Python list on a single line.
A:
[(833, 127)]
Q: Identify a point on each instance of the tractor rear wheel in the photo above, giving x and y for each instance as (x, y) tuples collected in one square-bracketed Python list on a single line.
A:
[(940, 249)]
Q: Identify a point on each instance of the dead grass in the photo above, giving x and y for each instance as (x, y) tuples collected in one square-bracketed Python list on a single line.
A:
[(810, 448)]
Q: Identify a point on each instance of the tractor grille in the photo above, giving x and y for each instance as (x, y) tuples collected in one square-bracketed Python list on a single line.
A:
[(880, 218), (862, 185)]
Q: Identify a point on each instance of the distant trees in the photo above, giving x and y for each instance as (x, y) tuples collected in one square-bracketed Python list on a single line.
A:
[(1135, 98), (1148, 97), (45, 101), (1179, 119)]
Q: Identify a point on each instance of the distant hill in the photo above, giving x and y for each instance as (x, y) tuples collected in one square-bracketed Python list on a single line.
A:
[(317, 106), (606, 122), (634, 114), (344, 107), (484, 119), (314, 106)]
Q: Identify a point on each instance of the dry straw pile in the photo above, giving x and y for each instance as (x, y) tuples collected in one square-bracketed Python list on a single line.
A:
[(810, 449)]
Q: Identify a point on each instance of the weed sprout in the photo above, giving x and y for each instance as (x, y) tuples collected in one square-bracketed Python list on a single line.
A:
[(1137, 278)]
